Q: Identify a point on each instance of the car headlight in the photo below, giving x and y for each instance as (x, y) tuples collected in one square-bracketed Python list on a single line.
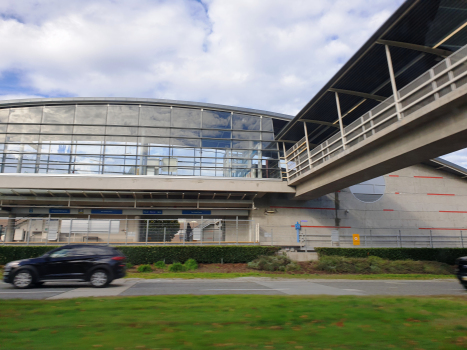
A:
[(12, 264)]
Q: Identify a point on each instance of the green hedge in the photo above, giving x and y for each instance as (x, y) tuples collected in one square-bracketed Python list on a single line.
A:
[(150, 254), (444, 255)]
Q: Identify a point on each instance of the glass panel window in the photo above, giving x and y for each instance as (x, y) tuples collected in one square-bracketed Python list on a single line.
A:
[(2, 137), (216, 143), (26, 115), (267, 124), (159, 151), (154, 131), (91, 114), (183, 152), (155, 116), (245, 122), (24, 129), (121, 139), (185, 142), (114, 149), (88, 130), (121, 130), (4, 113), (123, 115), (58, 115), (217, 134), (184, 133), (267, 136), (153, 141), (88, 149), (88, 138), (246, 135), (55, 138), (56, 129), (23, 138), (3, 128), (216, 120), (186, 118), (86, 169)]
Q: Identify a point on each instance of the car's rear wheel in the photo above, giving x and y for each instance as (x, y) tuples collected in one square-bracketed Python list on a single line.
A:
[(99, 278), (23, 279)]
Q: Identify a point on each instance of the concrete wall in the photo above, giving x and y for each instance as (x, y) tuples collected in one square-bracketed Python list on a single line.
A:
[(416, 199)]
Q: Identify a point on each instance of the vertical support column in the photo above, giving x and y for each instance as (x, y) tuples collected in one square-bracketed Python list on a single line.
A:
[(286, 163), (341, 125), (236, 226), (431, 239), (164, 232), (71, 230), (393, 82), (10, 228), (462, 240), (147, 230), (126, 230), (87, 231), (307, 145), (108, 235), (29, 231), (201, 231), (48, 231)]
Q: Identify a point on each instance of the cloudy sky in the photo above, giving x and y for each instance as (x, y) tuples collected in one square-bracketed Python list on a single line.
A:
[(266, 54)]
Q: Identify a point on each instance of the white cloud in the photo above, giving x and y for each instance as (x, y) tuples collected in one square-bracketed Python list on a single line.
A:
[(267, 54), (459, 157)]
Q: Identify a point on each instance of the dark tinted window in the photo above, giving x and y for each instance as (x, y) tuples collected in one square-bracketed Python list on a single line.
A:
[(87, 251)]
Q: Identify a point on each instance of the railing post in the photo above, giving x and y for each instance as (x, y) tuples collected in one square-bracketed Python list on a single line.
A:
[(305, 241), (29, 231), (400, 239), (48, 231), (147, 230), (393, 82), (126, 230), (272, 236), (286, 162), (165, 228), (71, 228), (341, 125), (236, 226), (201, 230), (431, 239), (462, 240), (110, 228), (307, 145), (87, 233)]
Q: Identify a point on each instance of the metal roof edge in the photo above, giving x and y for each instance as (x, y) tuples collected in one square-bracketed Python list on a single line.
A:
[(355, 57), (447, 164), (82, 100)]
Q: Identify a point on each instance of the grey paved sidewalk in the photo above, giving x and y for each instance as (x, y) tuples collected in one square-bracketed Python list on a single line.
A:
[(245, 285)]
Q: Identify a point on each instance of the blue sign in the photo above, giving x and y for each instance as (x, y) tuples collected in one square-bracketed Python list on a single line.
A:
[(31, 210), (298, 227), (59, 211), (158, 212), (106, 211), (196, 212)]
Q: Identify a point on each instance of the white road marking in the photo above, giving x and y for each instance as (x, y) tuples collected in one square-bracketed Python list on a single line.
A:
[(37, 292), (249, 289)]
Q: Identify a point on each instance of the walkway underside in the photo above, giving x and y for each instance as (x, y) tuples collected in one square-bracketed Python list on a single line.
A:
[(434, 130)]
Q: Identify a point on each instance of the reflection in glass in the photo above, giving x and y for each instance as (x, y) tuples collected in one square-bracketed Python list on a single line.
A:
[(58, 115), (186, 118), (123, 115), (155, 116), (216, 119), (91, 115), (4, 113), (26, 115), (245, 122)]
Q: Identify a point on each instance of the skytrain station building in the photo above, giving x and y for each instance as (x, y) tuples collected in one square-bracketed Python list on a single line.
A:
[(133, 171)]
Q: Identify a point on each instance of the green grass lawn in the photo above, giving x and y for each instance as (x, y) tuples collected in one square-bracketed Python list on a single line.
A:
[(214, 275), (235, 322)]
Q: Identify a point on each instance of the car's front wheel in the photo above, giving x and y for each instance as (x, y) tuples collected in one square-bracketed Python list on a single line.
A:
[(99, 278), (23, 279)]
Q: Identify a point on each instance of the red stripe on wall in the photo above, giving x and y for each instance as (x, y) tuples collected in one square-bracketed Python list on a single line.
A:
[(429, 177), (396, 193), (442, 229), (393, 175), (325, 226), (388, 209), (302, 208), (452, 211), (440, 194)]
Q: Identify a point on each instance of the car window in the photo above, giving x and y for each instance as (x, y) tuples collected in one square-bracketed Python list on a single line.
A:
[(61, 253), (87, 251)]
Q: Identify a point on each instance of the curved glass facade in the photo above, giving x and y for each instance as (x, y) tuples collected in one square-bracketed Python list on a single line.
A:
[(133, 139)]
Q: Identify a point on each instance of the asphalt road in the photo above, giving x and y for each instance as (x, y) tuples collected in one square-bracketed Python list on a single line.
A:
[(246, 285)]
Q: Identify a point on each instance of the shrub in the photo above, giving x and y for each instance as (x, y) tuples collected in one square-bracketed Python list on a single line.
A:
[(273, 263), (129, 265), (443, 255), (177, 267), (144, 268), (191, 264), (373, 264), (159, 264), (138, 255)]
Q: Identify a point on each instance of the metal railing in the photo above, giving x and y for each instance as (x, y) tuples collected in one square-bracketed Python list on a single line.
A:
[(190, 231), (445, 77)]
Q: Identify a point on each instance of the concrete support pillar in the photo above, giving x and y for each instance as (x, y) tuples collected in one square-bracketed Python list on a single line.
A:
[(137, 230), (307, 144), (10, 228)]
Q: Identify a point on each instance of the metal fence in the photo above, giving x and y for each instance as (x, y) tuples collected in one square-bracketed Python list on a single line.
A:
[(200, 230)]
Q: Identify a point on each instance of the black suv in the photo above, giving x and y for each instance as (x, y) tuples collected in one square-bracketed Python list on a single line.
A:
[(97, 264), (461, 270)]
